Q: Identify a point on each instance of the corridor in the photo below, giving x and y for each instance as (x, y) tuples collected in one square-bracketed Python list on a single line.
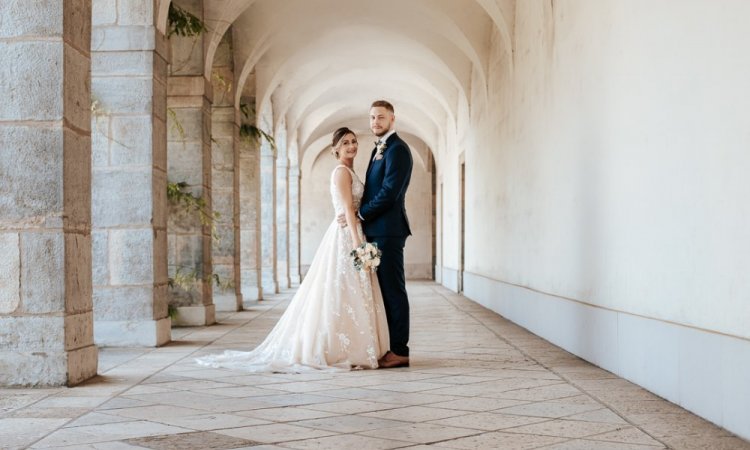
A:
[(476, 381)]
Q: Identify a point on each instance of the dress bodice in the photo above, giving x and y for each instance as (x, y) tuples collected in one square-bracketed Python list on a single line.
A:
[(358, 188)]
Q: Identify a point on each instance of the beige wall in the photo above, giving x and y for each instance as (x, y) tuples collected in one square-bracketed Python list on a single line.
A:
[(612, 161), (317, 209)]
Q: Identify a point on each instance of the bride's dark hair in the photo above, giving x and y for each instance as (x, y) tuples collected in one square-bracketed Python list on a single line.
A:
[(337, 136)]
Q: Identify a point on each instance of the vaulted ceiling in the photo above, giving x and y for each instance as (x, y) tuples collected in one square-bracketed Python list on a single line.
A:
[(321, 63)]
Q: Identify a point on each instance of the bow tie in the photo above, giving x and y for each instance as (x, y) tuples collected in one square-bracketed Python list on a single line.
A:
[(377, 142)]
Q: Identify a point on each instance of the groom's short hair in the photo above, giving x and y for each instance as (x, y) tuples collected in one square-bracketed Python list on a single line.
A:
[(383, 104)]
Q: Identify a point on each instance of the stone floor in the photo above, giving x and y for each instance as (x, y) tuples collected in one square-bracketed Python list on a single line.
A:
[(476, 381)]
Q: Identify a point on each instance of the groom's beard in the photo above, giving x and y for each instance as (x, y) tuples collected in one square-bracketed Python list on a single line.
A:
[(382, 133)]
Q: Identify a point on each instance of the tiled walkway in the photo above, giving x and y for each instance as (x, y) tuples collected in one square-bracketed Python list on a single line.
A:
[(476, 381)]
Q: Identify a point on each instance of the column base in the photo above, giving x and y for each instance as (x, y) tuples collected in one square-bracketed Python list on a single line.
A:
[(48, 369), (132, 333), (270, 289), (195, 316), (251, 294), (228, 302)]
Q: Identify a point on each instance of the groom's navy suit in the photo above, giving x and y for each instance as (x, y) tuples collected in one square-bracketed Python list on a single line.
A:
[(384, 212)]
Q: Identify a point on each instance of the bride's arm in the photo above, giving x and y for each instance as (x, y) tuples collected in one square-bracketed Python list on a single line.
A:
[(343, 181)]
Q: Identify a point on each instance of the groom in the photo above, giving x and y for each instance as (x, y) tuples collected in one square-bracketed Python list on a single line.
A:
[(384, 221)]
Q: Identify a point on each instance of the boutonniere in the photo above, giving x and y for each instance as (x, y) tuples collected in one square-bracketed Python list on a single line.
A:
[(379, 149)]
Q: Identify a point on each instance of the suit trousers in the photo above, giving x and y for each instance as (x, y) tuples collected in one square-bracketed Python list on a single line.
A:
[(393, 286)]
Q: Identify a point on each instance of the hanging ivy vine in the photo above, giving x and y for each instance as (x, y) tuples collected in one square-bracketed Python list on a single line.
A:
[(251, 133), (183, 23), (177, 194)]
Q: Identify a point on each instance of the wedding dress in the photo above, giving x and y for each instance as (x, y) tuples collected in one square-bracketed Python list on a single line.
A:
[(336, 319)]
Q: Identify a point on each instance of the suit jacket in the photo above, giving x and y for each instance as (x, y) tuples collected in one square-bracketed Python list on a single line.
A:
[(383, 202)]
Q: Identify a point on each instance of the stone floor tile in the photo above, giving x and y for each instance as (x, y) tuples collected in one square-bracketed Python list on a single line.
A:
[(204, 440), (600, 415), (541, 393), (409, 386), (415, 413), (285, 414), (350, 441), (684, 424), (299, 387), (566, 428), (351, 406), (472, 372), (155, 412), (275, 433), (548, 409), (70, 402), (501, 440), (627, 435), (478, 404), (106, 432), (112, 445), (646, 407), (237, 391), (423, 433), (488, 421), (46, 413), (349, 424), (582, 444), (207, 422), (96, 418), (20, 432)]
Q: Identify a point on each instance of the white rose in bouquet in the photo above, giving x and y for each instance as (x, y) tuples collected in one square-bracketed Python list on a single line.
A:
[(366, 256)]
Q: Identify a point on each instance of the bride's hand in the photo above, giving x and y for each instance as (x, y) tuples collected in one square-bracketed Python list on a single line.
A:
[(341, 219)]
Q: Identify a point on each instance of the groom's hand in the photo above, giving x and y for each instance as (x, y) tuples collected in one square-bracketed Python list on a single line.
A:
[(341, 220)]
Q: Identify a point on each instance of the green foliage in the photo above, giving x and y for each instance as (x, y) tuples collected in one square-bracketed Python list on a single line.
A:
[(187, 280), (183, 23), (250, 132), (178, 195), (172, 311), (255, 134)]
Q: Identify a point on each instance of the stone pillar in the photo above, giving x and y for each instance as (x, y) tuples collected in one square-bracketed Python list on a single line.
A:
[(294, 203), (268, 218), (282, 209), (190, 230), (46, 314), (128, 80), (225, 180), (249, 211)]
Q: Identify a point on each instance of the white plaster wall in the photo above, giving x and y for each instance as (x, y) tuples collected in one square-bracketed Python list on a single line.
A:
[(317, 209), (607, 192), (613, 164)]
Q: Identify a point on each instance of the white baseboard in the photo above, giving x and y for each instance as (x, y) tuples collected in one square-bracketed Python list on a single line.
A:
[(706, 373)]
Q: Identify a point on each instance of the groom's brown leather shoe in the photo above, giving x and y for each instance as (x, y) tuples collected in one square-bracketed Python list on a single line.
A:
[(391, 360)]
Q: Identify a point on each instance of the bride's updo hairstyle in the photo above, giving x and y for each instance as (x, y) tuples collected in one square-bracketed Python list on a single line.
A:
[(337, 136)]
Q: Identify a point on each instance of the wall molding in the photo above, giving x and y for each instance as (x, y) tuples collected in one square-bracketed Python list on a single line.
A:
[(705, 372)]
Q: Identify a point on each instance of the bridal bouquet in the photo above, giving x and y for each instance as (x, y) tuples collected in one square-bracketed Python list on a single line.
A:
[(366, 256)]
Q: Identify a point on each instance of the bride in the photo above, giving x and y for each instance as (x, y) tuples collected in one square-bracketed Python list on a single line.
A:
[(336, 320)]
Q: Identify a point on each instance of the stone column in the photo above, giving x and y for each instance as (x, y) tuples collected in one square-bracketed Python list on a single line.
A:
[(225, 180), (294, 203), (249, 211), (129, 175), (46, 314), (190, 230), (282, 209), (268, 218)]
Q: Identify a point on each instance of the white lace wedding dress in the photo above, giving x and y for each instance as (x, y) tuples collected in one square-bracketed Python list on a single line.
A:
[(335, 321)]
